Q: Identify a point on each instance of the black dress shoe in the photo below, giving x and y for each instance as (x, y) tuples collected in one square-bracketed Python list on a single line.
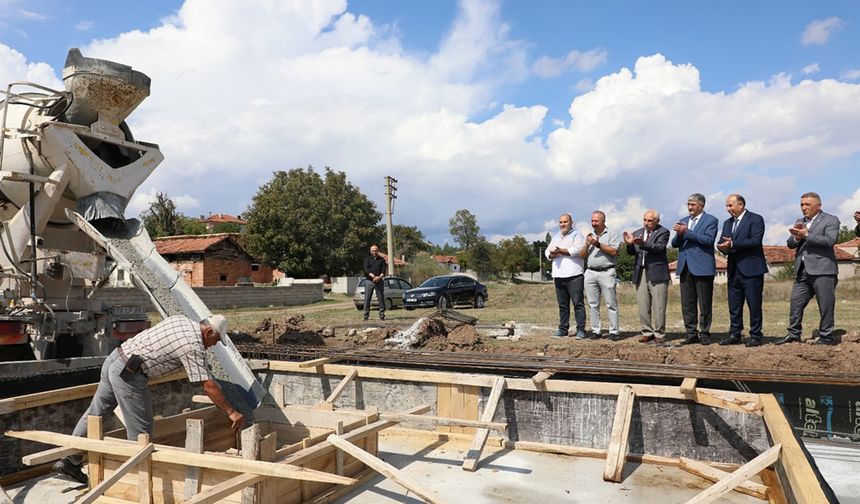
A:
[(824, 341), (704, 340), (690, 340), (788, 339), (70, 470), (734, 339), (753, 342)]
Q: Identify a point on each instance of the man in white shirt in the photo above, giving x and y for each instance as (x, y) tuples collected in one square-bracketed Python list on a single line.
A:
[(567, 274)]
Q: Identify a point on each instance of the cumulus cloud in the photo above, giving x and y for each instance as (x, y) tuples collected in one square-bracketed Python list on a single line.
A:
[(812, 68), (847, 208), (14, 67), (819, 31), (851, 75), (547, 67), (31, 15), (142, 199)]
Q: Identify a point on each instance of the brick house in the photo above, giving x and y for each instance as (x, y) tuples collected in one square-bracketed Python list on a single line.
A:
[(449, 262), (222, 218), (720, 278), (779, 256), (212, 260)]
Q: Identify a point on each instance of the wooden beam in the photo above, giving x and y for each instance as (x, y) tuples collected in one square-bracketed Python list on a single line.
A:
[(730, 400), (194, 435), (471, 460), (341, 386), (315, 362), (231, 485), (713, 475), (144, 473), (178, 456), (268, 446), (384, 469), (541, 376), (448, 422), (280, 395), (338, 456), (95, 467), (688, 387), (50, 455), (120, 471), (803, 481), (250, 451), (616, 454), (743, 473)]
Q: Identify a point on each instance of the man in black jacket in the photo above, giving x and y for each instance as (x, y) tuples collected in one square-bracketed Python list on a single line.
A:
[(374, 270)]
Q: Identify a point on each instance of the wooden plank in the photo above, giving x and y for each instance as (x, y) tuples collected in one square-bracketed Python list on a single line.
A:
[(542, 376), (384, 469), (471, 460), (775, 495), (175, 455), (743, 473), (338, 464), (334, 494), (194, 444), (268, 446), (49, 455), (280, 395), (688, 387), (95, 468), (315, 362), (443, 403), (721, 399), (341, 386), (804, 483), (616, 454), (458, 422), (144, 473), (712, 474), (570, 386), (250, 451), (118, 473)]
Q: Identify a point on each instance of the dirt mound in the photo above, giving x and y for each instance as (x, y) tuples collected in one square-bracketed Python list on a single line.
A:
[(290, 330), (464, 335), (243, 337)]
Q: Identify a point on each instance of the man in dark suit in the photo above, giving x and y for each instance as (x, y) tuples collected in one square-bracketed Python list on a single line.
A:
[(741, 242), (694, 239), (650, 275), (857, 218), (813, 238), (374, 270)]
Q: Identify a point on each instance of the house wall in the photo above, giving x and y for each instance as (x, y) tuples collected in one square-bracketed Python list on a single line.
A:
[(345, 285), (226, 297)]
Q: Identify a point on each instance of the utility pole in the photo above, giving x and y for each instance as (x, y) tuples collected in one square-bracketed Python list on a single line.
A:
[(390, 196)]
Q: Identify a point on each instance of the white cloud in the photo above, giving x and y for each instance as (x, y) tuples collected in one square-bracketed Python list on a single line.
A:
[(851, 75), (812, 68), (584, 85), (142, 199), (33, 16), (819, 31), (848, 207), (547, 67), (84, 25), (14, 67)]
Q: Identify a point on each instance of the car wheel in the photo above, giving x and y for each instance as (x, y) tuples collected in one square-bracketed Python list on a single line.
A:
[(443, 302), (479, 301), (389, 304)]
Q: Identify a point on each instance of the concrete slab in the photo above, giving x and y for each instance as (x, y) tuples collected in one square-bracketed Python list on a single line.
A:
[(840, 465), (47, 489), (523, 477)]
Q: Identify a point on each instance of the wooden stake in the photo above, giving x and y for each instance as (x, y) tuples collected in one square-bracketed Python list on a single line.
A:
[(541, 376), (280, 395), (144, 473), (250, 451), (338, 457), (471, 460), (120, 471), (688, 387), (341, 386), (617, 451), (96, 468), (743, 473), (713, 474), (193, 444), (383, 468), (315, 362), (268, 445)]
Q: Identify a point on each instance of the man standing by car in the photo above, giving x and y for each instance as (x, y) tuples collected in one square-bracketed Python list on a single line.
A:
[(567, 270), (374, 270), (601, 251)]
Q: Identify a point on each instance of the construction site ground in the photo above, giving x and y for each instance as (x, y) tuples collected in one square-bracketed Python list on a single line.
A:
[(530, 313)]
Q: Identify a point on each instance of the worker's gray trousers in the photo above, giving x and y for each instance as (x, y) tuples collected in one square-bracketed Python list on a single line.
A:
[(132, 397), (597, 284)]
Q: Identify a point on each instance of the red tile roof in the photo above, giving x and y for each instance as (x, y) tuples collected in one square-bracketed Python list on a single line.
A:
[(445, 259), (779, 254), (722, 265), (397, 262), (850, 243), (222, 218), (189, 244)]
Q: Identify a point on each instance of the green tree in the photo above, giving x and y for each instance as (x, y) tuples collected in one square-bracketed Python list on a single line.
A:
[(846, 234), (307, 225), (480, 259), (421, 267), (624, 264), (162, 219), (227, 227), (464, 228), (444, 249), (408, 241), (534, 263), (512, 256)]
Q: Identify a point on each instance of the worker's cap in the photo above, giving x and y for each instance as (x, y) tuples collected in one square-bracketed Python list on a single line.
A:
[(219, 323)]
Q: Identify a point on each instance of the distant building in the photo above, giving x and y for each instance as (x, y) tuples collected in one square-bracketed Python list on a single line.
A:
[(212, 260), (449, 262), (215, 219), (780, 256), (398, 263), (850, 246), (720, 278)]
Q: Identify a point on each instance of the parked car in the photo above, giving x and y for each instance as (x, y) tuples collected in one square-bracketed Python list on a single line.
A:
[(446, 291), (394, 289)]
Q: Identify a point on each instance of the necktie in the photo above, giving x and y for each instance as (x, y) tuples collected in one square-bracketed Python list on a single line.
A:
[(735, 225), (692, 223)]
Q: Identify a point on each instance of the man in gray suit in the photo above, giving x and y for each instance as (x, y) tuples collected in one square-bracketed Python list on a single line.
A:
[(650, 275), (813, 238)]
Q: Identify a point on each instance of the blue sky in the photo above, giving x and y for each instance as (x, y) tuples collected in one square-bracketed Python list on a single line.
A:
[(468, 103)]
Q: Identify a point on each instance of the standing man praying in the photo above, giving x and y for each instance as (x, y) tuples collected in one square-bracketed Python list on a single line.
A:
[(567, 270), (374, 270)]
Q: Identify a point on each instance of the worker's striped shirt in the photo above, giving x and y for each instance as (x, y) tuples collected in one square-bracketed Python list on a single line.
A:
[(174, 343)]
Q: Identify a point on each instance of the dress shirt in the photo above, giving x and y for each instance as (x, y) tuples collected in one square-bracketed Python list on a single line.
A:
[(565, 266)]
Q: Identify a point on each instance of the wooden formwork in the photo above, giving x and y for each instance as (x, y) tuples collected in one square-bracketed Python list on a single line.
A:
[(316, 452)]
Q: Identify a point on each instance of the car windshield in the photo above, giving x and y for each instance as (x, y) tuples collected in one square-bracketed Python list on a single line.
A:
[(435, 282)]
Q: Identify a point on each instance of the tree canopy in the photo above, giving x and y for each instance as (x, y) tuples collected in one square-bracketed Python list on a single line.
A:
[(408, 241), (464, 228), (307, 224), (162, 219)]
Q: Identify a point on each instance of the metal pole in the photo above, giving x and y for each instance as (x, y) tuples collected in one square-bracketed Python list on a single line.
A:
[(389, 198)]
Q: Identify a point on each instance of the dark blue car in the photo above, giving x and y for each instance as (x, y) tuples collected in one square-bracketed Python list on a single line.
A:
[(446, 291)]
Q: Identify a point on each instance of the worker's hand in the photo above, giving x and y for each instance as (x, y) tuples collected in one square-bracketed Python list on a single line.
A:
[(237, 420)]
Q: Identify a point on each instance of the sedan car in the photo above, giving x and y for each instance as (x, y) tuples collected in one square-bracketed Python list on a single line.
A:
[(445, 292), (394, 289)]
